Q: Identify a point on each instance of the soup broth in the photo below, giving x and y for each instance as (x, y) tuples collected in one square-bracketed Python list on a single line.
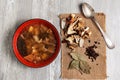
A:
[(36, 43)]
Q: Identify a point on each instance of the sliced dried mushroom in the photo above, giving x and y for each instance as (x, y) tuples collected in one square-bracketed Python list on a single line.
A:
[(63, 22), (72, 18), (81, 42), (87, 35), (72, 46), (70, 39), (76, 30), (70, 31), (71, 27), (84, 31), (77, 38)]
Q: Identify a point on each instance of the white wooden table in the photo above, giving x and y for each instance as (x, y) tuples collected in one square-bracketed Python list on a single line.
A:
[(14, 12)]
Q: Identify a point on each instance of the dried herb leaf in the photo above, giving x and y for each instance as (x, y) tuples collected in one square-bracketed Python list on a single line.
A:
[(74, 56), (77, 56), (74, 64), (79, 63), (84, 67)]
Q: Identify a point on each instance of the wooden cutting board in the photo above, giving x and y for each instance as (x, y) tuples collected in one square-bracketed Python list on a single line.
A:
[(98, 67)]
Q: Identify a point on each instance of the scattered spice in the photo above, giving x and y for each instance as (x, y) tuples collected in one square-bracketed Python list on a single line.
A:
[(89, 41), (90, 52), (98, 42), (95, 42)]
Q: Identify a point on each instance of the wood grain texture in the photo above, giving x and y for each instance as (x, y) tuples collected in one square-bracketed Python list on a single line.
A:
[(14, 12)]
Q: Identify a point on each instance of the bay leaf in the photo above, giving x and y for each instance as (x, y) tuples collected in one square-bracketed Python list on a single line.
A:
[(79, 63), (74, 56), (74, 64), (77, 56), (84, 67)]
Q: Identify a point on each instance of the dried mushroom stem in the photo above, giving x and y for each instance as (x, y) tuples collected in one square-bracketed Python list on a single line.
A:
[(63, 21), (70, 39), (77, 38), (81, 42), (71, 26), (72, 18), (86, 35)]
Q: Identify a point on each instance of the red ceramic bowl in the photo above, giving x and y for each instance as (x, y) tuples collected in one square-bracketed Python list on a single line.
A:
[(18, 32)]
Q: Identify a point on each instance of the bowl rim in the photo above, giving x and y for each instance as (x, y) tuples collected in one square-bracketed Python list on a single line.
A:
[(19, 30)]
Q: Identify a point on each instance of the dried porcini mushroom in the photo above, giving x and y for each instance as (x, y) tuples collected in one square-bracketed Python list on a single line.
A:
[(81, 42), (72, 46), (63, 23), (76, 30), (71, 42), (70, 28), (77, 38), (70, 39)]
